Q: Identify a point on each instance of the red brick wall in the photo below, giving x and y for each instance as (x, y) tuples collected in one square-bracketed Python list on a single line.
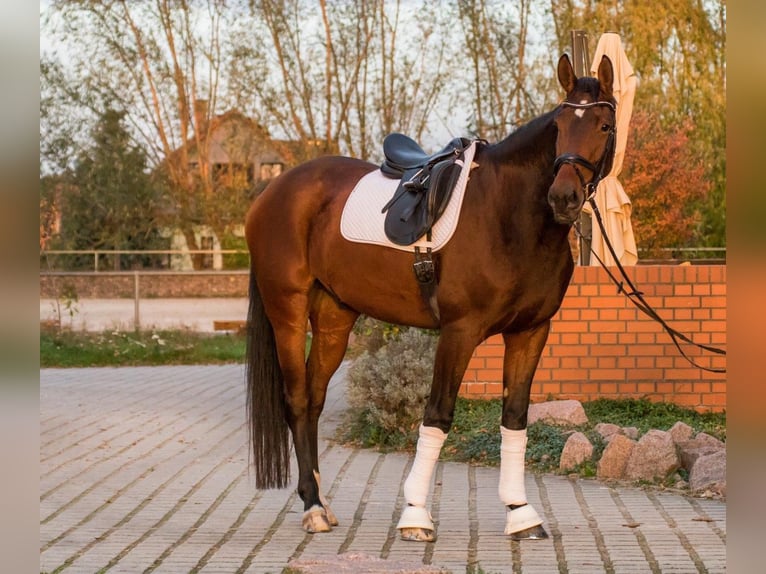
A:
[(601, 345)]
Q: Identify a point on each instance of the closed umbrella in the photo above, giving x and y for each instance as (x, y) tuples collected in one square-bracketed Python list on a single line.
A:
[(612, 201)]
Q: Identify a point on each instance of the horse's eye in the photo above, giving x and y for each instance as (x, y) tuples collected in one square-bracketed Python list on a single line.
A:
[(605, 128)]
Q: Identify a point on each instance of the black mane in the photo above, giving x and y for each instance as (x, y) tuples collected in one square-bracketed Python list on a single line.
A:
[(525, 143)]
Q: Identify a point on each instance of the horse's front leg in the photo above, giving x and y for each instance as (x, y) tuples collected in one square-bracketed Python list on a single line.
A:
[(452, 355), (522, 353)]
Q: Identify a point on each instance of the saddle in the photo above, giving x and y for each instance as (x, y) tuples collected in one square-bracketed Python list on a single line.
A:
[(426, 185)]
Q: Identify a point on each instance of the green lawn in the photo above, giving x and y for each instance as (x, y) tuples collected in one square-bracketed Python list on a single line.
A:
[(63, 348)]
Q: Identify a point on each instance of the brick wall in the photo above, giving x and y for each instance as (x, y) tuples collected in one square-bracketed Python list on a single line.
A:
[(163, 284), (601, 345)]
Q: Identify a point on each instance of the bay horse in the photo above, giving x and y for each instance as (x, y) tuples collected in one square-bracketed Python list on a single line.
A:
[(504, 271)]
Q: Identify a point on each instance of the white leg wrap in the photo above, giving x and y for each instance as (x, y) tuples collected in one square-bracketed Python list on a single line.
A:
[(418, 482), (512, 448), (511, 488)]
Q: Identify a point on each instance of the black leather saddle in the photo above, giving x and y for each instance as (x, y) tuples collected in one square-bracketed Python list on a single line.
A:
[(427, 181)]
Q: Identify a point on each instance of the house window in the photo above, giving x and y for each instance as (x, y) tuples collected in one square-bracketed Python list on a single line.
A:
[(233, 174), (270, 170)]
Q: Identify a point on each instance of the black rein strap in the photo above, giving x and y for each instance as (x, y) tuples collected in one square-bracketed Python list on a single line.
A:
[(636, 297)]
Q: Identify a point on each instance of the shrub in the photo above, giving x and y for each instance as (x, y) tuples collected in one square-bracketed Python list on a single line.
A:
[(389, 387), (372, 334)]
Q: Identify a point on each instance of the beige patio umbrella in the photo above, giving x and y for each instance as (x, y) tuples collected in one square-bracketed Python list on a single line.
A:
[(612, 201)]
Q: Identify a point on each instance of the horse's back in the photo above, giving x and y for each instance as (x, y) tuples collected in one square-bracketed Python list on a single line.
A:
[(288, 206)]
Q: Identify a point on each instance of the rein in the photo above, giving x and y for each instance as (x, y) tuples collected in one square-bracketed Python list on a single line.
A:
[(576, 160), (636, 297)]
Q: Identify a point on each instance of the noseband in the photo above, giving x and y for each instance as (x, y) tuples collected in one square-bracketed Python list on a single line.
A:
[(576, 160)]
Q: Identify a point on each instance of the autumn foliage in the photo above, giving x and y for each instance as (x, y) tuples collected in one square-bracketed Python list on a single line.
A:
[(665, 182)]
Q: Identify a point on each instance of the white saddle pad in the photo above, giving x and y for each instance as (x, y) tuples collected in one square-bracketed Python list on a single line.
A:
[(362, 220)]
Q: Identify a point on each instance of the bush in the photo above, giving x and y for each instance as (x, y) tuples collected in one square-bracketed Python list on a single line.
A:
[(372, 334), (388, 389)]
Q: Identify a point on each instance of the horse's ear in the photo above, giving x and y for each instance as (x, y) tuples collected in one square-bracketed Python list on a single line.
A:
[(606, 75), (566, 74)]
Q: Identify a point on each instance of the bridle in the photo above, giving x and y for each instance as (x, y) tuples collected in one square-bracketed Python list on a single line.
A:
[(576, 160)]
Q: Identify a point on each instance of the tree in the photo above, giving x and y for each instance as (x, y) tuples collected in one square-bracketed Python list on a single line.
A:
[(508, 84), (665, 182), (678, 51), (108, 200), (343, 78), (154, 60)]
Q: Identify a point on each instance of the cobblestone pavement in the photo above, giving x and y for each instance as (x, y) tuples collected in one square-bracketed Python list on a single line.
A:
[(145, 469)]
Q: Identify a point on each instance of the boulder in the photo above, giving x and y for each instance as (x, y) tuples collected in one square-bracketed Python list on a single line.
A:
[(709, 440), (701, 445), (358, 563), (654, 457), (615, 457), (709, 473), (565, 413), (577, 450), (630, 432), (681, 432), (607, 430)]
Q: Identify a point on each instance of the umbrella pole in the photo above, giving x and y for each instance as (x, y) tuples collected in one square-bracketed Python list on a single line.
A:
[(581, 62)]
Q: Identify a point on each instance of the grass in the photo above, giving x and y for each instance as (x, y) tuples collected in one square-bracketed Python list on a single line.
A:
[(66, 348), (475, 434)]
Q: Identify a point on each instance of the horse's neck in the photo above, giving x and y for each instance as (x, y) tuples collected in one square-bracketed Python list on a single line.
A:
[(523, 167), (532, 143), (519, 176)]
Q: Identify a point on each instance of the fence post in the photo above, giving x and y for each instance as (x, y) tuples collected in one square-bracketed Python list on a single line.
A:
[(95, 261), (136, 318)]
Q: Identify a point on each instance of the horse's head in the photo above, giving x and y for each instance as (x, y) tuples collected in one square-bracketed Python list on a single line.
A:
[(586, 138)]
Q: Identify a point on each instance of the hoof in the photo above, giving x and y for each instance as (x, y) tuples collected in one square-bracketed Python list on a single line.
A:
[(534, 533), (416, 524), (331, 518), (417, 534), (315, 520), (523, 520)]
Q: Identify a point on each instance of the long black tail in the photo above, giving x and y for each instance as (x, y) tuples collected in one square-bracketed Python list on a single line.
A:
[(269, 435)]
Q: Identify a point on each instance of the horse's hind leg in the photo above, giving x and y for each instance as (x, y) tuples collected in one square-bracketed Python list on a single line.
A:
[(331, 325), (289, 313), (522, 353)]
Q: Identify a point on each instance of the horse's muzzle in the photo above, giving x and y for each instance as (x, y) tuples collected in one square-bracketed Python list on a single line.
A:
[(566, 205)]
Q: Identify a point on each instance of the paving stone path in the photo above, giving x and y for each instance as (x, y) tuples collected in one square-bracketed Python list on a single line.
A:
[(145, 469)]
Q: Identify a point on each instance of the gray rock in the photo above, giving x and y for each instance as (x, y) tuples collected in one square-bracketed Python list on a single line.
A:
[(709, 440), (709, 473), (577, 450), (566, 413), (654, 457), (630, 432), (701, 445), (615, 458), (607, 430), (358, 563), (681, 432)]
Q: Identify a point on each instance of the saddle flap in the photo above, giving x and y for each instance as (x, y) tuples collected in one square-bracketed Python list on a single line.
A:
[(415, 208)]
